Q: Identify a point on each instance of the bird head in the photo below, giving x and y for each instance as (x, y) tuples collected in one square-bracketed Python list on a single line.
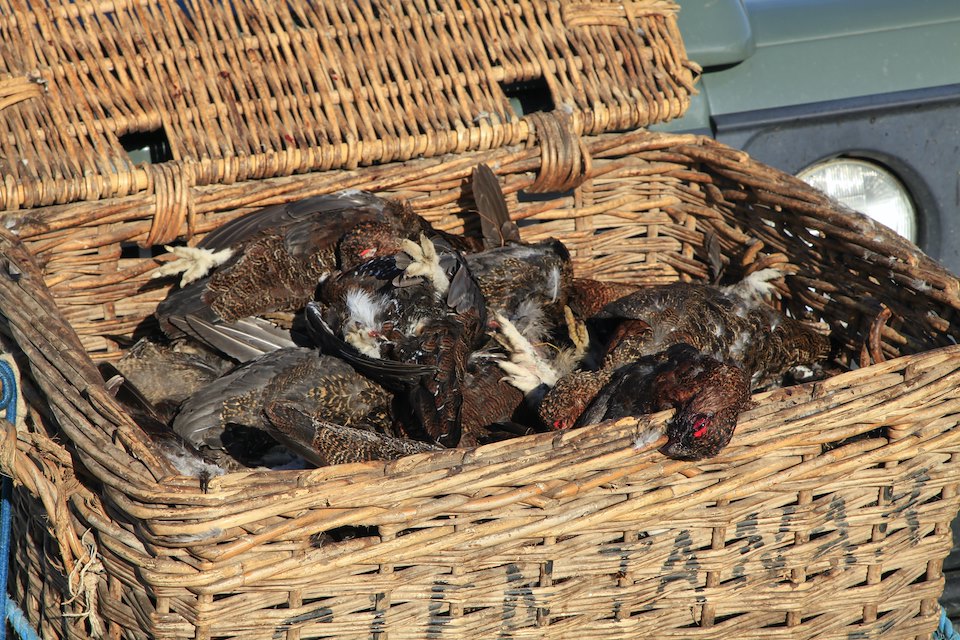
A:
[(709, 396), (365, 241), (560, 411), (693, 435)]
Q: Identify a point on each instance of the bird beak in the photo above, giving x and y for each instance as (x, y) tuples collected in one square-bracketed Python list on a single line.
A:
[(675, 449), (671, 449)]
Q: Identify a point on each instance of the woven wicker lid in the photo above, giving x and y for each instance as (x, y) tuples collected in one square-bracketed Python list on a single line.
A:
[(251, 89)]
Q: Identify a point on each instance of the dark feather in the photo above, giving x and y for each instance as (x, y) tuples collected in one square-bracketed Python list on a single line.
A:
[(167, 373), (150, 418), (464, 294), (495, 223), (437, 399), (320, 385), (242, 229), (183, 457), (280, 253), (180, 303), (382, 268), (516, 275), (242, 340), (714, 256)]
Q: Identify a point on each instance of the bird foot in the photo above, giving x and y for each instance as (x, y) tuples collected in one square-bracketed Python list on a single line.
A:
[(757, 286), (193, 262), (526, 369), (425, 263), (577, 331)]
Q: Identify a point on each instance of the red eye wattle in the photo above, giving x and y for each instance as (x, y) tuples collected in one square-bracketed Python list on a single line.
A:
[(559, 424), (701, 426)]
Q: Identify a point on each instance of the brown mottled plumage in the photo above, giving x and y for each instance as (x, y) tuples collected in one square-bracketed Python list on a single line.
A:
[(564, 403), (182, 456), (325, 443), (273, 258), (321, 386), (167, 374), (488, 398), (410, 333), (708, 395), (527, 283), (434, 404), (711, 345), (732, 324), (588, 296)]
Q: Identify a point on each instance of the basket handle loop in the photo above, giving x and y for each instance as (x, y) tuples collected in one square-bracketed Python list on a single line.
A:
[(565, 161), (172, 184)]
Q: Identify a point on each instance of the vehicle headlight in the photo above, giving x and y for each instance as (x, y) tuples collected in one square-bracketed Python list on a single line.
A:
[(868, 188)]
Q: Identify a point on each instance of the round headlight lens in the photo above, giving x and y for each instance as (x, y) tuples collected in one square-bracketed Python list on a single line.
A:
[(868, 188)]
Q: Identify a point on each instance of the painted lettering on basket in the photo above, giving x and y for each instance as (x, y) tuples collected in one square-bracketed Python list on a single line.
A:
[(438, 608), (772, 557), (747, 531), (877, 630), (835, 519), (623, 570), (683, 556), (625, 552), (905, 503), (381, 604), (519, 602), (786, 520)]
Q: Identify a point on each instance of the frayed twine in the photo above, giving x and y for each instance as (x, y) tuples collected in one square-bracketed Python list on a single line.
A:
[(82, 584)]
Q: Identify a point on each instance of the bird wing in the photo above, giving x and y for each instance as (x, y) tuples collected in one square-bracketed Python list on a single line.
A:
[(437, 399), (495, 223), (243, 339), (240, 230), (325, 443), (234, 398)]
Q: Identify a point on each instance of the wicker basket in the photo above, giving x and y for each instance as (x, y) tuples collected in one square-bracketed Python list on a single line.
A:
[(828, 515)]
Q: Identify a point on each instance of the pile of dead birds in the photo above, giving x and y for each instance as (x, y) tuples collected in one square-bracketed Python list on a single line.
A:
[(344, 328)]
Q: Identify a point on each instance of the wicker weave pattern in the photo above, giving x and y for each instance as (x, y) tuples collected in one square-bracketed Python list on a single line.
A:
[(828, 515), (253, 89)]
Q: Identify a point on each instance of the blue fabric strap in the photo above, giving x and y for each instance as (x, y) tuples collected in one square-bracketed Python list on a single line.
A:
[(11, 612), (8, 403), (945, 631)]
